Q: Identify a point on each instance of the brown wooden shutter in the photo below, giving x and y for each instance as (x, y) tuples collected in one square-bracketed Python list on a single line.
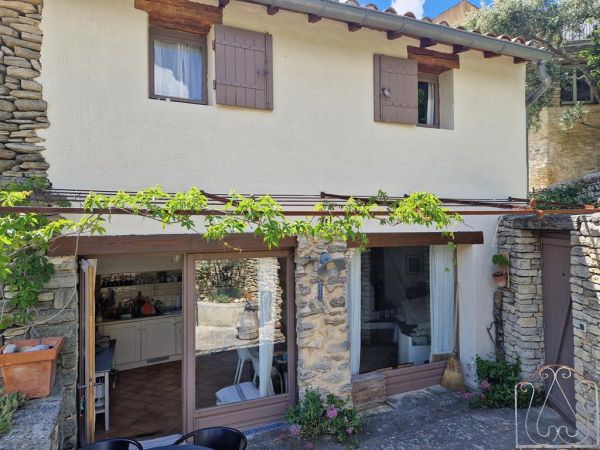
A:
[(396, 81), (243, 67)]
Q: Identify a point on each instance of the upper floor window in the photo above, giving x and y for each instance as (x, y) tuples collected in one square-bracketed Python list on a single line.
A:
[(177, 66), (573, 87), (428, 101)]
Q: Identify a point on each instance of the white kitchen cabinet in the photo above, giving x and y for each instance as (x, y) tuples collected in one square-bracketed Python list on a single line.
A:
[(178, 336), (127, 349), (158, 338)]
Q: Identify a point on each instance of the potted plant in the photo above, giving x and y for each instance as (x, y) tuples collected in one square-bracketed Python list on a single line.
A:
[(29, 365), (500, 276)]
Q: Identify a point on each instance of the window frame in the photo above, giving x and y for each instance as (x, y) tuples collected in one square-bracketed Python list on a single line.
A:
[(573, 82), (435, 80), (182, 37)]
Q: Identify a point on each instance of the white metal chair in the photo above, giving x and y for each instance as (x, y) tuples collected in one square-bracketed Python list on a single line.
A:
[(244, 356)]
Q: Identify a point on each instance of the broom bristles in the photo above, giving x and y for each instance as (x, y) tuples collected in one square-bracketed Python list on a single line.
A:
[(452, 377)]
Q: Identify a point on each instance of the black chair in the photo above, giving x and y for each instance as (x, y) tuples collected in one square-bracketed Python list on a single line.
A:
[(217, 438), (113, 444)]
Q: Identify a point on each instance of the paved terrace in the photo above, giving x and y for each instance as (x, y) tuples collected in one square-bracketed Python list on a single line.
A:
[(428, 419)]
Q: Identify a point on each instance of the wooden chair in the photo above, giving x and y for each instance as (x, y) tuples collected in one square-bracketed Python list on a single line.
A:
[(113, 444), (217, 438)]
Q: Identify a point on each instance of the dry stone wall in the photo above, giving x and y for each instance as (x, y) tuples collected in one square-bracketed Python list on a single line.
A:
[(22, 108), (57, 315), (321, 325)]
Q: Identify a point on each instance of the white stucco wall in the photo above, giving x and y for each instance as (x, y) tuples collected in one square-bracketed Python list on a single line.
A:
[(106, 133)]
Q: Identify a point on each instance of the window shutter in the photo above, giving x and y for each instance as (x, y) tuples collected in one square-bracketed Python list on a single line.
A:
[(244, 68), (395, 84)]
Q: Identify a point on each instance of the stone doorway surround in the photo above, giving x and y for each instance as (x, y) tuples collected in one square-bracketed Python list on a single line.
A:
[(519, 309)]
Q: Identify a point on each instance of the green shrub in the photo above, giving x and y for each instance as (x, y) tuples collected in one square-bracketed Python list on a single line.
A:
[(497, 379), (313, 417), (9, 403)]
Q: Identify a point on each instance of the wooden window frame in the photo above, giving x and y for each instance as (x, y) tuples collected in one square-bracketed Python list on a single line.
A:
[(435, 80), (181, 37)]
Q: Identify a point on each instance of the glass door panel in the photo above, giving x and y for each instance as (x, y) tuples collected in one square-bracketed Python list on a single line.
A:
[(240, 333)]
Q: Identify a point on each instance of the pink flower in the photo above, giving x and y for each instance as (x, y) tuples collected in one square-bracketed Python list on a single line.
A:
[(295, 430), (468, 395), (349, 430), (308, 445), (331, 412), (484, 385)]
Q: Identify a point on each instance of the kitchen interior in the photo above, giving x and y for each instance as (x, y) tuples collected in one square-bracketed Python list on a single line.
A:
[(139, 346)]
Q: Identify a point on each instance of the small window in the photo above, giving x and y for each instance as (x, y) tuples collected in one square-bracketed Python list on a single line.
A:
[(573, 87), (177, 66), (428, 101)]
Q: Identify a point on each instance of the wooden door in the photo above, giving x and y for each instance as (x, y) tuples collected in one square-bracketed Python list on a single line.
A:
[(158, 338), (558, 317), (87, 344)]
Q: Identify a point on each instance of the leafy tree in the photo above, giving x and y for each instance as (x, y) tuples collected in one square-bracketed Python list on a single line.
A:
[(545, 22)]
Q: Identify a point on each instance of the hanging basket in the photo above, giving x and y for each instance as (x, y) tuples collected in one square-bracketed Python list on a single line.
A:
[(31, 373)]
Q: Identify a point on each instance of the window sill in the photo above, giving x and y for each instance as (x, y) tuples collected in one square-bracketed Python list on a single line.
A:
[(178, 100), (423, 125)]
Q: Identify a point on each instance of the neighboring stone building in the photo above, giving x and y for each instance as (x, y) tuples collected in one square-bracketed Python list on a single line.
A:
[(456, 14), (557, 155)]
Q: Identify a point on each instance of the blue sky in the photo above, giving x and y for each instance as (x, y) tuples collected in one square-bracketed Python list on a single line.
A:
[(430, 8)]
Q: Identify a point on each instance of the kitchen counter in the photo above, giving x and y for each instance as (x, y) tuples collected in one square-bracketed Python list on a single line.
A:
[(137, 319)]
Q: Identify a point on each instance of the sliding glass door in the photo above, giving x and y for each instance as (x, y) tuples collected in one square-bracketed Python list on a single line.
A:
[(241, 348)]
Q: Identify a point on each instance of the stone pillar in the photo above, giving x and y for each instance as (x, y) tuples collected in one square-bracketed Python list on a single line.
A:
[(57, 315), (22, 108), (585, 294), (321, 325), (522, 304)]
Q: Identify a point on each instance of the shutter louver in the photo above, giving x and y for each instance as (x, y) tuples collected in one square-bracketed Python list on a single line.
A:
[(396, 82), (243, 68)]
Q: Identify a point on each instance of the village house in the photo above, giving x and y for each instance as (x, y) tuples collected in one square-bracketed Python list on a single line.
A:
[(294, 98)]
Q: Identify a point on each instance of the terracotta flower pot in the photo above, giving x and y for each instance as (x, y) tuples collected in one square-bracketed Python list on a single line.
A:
[(31, 373), (500, 278)]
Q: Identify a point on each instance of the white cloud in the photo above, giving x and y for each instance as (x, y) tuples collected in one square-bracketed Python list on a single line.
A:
[(415, 6)]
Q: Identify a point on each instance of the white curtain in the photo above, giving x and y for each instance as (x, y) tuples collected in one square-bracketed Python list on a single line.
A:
[(267, 281), (441, 280), (353, 291), (430, 103), (177, 70)]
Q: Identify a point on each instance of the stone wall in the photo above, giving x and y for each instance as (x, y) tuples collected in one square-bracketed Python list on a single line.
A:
[(557, 155), (521, 300), (322, 330), (584, 190), (585, 294), (22, 108), (57, 315)]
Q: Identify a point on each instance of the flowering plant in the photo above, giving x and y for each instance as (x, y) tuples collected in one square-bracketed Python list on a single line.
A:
[(315, 416)]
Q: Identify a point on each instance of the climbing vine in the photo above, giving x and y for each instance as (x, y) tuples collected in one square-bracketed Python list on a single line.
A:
[(25, 238)]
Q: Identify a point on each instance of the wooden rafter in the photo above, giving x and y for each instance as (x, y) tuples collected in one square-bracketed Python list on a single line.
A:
[(426, 42), (272, 10), (313, 18), (487, 54), (354, 26), (518, 60), (391, 35), (460, 48), (223, 3), (182, 15)]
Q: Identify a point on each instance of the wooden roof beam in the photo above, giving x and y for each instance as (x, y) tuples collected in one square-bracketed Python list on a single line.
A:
[(223, 3), (272, 10), (460, 49), (426, 42), (354, 26), (487, 54), (518, 60), (313, 18), (391, 35)]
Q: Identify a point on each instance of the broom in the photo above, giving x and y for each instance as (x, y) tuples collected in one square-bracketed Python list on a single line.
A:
[(452, 377)]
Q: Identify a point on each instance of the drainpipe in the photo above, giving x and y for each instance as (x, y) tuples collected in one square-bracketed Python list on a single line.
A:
[(542, 74)]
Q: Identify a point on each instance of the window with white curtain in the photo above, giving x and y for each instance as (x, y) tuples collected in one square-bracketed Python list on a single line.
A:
[(428, 99), (178, 66)]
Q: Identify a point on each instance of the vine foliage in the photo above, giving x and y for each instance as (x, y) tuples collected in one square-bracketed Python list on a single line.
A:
[(25, 238)]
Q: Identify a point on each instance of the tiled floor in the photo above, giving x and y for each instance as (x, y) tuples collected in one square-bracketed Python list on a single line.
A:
[(146, 402)]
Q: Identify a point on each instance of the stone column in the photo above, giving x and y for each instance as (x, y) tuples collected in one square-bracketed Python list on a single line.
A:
[(321, 325), (522, 304)]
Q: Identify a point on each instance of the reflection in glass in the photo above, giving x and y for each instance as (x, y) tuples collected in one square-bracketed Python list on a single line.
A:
[(177, 70), (240, 330)]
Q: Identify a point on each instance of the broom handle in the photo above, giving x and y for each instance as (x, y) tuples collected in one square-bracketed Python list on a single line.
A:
[(456, 316)]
